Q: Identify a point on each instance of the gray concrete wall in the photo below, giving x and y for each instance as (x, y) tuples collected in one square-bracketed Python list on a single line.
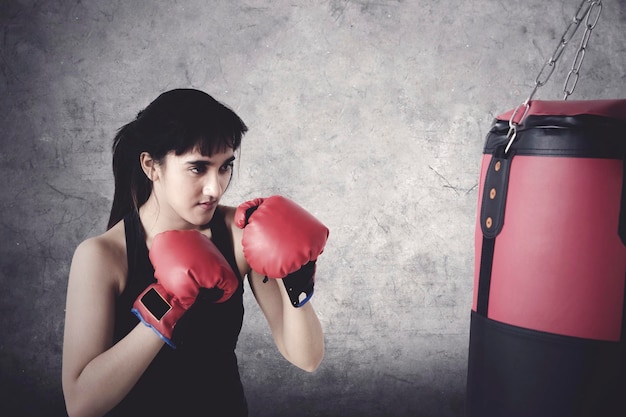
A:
[(371, 114)]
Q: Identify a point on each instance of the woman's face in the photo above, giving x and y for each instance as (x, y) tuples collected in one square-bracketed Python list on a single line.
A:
[(190, 185)]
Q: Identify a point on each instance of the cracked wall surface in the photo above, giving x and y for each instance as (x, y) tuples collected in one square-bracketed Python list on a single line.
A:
[(371, 114)]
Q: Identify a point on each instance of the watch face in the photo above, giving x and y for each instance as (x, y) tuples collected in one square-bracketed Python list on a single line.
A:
[(156, 305)]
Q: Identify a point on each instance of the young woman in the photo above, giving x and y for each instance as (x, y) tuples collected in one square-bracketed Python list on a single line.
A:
[(142, 337)]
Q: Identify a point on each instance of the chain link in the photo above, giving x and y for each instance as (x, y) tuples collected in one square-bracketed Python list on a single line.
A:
[(573, 74), (584, 11)]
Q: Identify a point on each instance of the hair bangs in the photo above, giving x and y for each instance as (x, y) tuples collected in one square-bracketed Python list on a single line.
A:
[(209, 132)]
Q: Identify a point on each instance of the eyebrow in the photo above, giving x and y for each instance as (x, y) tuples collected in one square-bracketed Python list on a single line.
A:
[(204, 162)]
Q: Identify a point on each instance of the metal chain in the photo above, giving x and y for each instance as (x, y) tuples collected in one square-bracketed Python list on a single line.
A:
[(572, 75), (584, 11)]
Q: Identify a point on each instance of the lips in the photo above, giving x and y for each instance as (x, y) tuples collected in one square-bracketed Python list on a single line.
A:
[(208, 205)]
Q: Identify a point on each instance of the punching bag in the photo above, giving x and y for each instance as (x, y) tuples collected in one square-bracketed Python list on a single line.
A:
[(548, 320)]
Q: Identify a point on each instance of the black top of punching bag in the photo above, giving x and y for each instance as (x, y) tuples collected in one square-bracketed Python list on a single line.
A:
[(588, 128)]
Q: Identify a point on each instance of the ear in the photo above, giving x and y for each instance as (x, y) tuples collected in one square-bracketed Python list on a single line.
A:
[(149, 166)]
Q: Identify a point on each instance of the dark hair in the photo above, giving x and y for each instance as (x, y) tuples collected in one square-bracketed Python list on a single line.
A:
[(177, 120)]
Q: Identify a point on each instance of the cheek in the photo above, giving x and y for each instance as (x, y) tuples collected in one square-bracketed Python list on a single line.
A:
[(225, 180), (181, 187)]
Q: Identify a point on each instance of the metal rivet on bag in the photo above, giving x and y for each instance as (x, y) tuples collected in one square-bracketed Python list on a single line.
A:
[(488, 222), (497, 166), (492, 193)]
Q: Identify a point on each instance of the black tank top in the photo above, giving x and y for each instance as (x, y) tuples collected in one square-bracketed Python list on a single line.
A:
[(200, 377)]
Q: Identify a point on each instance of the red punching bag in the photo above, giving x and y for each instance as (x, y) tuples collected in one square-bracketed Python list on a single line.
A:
[(548, 320)]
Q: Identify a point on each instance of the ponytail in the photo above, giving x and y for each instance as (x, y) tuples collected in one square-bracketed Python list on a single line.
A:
[(132, 187)]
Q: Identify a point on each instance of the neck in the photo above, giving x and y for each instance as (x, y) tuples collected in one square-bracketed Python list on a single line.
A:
[(156, 219)]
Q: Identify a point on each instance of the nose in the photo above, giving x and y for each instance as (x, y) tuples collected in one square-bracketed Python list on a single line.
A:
[(212, 186)]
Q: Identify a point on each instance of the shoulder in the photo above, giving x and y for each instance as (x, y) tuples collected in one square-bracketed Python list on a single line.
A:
[(109, 246), (103, 257), (229, 219), (236, 235), (229, 214)]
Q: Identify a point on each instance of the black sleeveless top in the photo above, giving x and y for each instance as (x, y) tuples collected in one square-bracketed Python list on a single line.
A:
[(201, 376)]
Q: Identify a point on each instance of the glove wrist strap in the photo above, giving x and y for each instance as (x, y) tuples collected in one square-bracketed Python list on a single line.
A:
[(299, 284)]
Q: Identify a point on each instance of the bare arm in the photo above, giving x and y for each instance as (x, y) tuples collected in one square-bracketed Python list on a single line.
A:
[(297, 332), (96, 375)]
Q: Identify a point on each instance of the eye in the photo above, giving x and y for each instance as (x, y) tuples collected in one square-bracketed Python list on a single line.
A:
[(227, 167), (197, 169)]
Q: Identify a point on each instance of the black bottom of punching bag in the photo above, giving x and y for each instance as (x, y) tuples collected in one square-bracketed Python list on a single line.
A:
[(522, 372)]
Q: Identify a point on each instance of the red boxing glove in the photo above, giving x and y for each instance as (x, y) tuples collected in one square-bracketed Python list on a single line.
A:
[(282, 240), (184, 262)]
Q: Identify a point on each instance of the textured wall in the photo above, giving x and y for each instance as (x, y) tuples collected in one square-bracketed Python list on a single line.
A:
[(371, 114)]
